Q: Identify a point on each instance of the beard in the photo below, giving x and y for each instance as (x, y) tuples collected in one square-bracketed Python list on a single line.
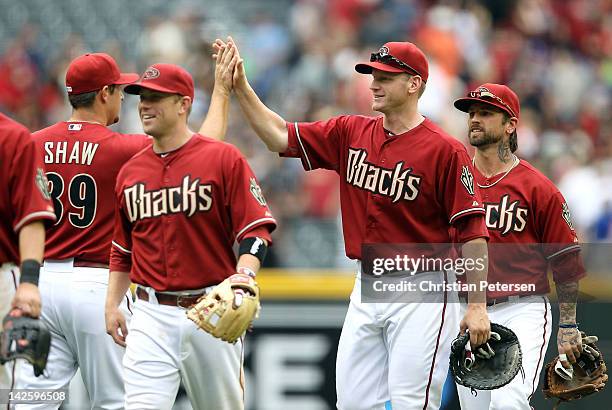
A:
[(484, 138)]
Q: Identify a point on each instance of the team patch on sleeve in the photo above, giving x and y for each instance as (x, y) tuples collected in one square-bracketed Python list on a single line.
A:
[(256, 192), (566, 215), (42, 183), (467, 179)]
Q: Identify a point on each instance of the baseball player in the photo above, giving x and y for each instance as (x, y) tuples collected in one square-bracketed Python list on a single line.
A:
[(83, 157), (24, 207), (530, 230), (401, 182), (180, 206)]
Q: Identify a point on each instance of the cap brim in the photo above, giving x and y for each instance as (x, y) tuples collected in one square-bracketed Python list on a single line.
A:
[(135, 88), (127, 78), (366, 68), (463, 104)]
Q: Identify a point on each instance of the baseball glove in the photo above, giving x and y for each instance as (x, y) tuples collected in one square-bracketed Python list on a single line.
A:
[(25, 338), (587, 376), (492, 365), (229, 309)]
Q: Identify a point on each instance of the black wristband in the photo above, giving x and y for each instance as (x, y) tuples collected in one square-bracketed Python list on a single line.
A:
[(568, 325), (253, 246), (30, 271)]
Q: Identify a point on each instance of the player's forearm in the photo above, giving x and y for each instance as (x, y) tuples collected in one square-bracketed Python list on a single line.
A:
[(215, 123), (267, 124), (476, 250), (248, 261), (32, 241), (118, 285), (567, 295)]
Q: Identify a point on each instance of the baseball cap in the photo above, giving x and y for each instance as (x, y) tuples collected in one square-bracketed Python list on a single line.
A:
[(166, 78), (498, 95), (397, 57), (91, 72)]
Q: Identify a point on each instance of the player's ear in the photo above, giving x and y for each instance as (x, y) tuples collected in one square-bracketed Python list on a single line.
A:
[(105, 93), (511, 125), (185, 105), (414, 84)]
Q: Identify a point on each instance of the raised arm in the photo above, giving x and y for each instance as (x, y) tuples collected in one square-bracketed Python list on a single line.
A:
[(215, 123), (268, 125)]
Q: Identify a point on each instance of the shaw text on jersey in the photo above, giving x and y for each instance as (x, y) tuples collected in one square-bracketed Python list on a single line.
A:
[(189, 197), (397, 183), (80, 152)]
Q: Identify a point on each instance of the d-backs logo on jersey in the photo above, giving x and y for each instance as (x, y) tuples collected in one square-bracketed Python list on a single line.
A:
[(506, 216), (188, 198), (566, 215), (397, 183)]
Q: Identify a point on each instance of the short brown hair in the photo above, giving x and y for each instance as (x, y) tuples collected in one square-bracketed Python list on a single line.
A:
[(86, 100)]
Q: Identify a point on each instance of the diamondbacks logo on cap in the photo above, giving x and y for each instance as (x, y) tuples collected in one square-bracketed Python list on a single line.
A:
[(467, 179), (256, 192), (566, 215), (384, 50), (150, 74)]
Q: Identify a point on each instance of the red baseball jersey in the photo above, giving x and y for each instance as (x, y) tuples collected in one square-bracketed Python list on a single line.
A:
[(406, 188), (23, 189), (82, 161), (178, 215), (529, 225)]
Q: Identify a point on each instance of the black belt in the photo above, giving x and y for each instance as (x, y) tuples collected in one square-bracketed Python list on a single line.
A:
[(184, 301), (497, 301), (81, 263)]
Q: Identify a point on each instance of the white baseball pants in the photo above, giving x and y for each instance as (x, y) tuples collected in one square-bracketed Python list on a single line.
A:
[(531, 320), (73, 301), (396, 351), (164, 347)]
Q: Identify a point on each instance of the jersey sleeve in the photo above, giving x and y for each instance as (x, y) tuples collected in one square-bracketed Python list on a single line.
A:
[(121, 249), (554, 222), (259, 232), (317, 144), (471, 227), (459, 194), (247, 206), (29, 193), (568, 267)]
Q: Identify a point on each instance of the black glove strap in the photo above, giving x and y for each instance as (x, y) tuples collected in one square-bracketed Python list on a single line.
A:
[(30, 271)]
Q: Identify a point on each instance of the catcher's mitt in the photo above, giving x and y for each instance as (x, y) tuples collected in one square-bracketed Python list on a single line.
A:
[(492, 365), (228, 310), (25, 338), (587, 376)]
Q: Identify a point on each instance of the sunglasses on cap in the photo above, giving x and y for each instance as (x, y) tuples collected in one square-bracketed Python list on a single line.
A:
[(483, 92), (388, 59)]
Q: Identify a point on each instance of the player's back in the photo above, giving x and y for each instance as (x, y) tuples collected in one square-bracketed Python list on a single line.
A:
[(82, 161)]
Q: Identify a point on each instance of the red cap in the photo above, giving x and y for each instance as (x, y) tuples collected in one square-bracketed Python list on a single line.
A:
[(166, 78), (498, 95), (91, 72), (397, 57)]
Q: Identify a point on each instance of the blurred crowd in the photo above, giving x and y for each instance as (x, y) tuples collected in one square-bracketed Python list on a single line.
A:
[(299, 56)]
